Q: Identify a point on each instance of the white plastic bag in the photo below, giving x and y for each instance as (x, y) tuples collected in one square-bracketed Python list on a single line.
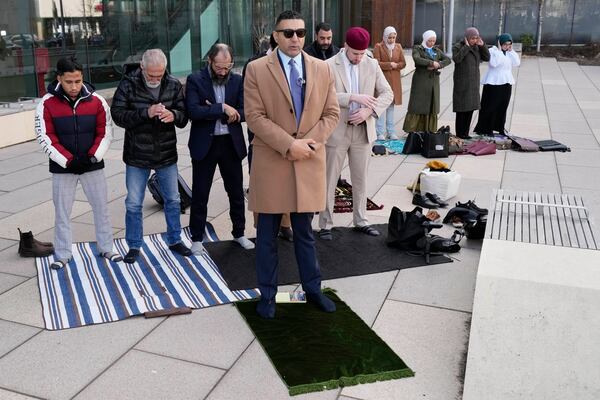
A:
[(444, 184)]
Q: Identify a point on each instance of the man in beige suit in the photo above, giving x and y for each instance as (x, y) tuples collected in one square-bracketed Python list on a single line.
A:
[(291, 106), (363, 94)]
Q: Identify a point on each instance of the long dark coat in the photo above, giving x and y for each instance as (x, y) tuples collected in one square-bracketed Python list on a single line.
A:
[(425, 87), (465, 96)]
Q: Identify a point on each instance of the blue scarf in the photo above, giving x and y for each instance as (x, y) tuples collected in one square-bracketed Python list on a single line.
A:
[(430, 52)]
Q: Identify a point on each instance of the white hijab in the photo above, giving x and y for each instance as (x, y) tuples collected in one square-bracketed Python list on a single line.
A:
[(426, 36), (386, 32)]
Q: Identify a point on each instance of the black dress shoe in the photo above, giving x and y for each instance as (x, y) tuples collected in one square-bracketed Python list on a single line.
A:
[(180, 248), (472, 206), (286, 233), (436, 199), (266, 308), (422, 201), (131, 256), (321, 301)]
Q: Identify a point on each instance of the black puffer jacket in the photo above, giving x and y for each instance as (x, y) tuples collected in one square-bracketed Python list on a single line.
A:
[(149, 143)]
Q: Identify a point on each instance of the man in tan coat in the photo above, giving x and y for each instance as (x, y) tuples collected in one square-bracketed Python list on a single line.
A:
[(291, 106), (363, 94)]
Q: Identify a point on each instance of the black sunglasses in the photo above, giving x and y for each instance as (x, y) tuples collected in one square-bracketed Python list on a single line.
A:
[(289, 33)]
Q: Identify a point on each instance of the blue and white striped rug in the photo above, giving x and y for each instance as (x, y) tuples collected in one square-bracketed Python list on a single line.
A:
[(93, 290)]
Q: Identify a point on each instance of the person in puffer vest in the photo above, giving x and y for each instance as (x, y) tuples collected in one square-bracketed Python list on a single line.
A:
[(74, 127)]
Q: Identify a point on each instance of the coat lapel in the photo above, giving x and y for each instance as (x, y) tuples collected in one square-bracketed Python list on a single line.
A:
[(207, 85), (340, 69), (311, 74), (275, 69)]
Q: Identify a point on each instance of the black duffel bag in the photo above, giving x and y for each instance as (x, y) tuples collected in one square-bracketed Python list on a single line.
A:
[(405, 228)]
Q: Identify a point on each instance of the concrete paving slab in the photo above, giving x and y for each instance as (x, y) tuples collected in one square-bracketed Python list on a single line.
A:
[(115, 184), (575, 141), (12, 263), (545, 163), (24, 177), (579, 177), (223, 227), (26, 197), (9, 281), (6, 243), (23, 161), (213, 336), (4, 214), (14, 335), (570, 126), (81, 233), (59, 364), (139, 375), (22, 304), (481, 168), (431, 341), (116, 212), (19, 150), (533, 182), (7, 395), (254, 378), (365, 303), (579, 157), (478, 190), (449, 286), (390, 196)]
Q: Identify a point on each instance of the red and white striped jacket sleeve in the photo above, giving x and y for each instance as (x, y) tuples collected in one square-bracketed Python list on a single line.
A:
[(46, 134)]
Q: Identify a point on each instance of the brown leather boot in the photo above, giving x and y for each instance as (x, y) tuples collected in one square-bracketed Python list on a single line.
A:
[(30, 247)]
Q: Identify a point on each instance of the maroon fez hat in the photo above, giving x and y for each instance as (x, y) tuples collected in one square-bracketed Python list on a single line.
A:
[(358, 38)]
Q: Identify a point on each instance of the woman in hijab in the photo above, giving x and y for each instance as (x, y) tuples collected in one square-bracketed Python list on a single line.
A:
[(391, 60), (424, 102), (497, 87), (467, 55)]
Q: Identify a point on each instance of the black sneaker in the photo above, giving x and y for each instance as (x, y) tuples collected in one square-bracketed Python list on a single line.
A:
[(131, 256), (180, 248), (436, 199)]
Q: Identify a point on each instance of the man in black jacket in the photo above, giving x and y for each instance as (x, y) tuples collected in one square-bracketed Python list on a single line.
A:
[(149, 104), (322, 48)]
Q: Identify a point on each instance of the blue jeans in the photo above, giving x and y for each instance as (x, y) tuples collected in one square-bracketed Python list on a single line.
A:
[(135, 180), (389, 122)]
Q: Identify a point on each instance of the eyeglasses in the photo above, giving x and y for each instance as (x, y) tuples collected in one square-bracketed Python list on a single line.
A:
[(223, 67), (289, 33)]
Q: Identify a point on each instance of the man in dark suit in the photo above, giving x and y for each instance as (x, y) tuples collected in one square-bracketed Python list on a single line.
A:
[(215, 103), (292, 108)]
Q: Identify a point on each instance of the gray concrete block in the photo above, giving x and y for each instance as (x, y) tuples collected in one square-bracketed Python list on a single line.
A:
[(533, 182), (579, 177), (23, 161), (26, 197), (8, 281), (544, 163), (59, 364), (24, 177), (14, 335), (139, 375), (22, 304), (8, 395), (12, 263), (214, 336)]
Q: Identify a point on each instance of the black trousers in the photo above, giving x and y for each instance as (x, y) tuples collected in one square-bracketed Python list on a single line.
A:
[(494, 103), (223, 154), (463, 123)]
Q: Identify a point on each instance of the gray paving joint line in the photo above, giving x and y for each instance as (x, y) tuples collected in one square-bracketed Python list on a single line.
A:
[(22, 393), (117, 360), (431, 306), (385, 298), (575, 97), (21, 344), (177, 359), (18, 284)]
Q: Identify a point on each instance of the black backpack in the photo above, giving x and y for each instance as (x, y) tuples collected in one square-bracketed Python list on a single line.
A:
[(185, 193)]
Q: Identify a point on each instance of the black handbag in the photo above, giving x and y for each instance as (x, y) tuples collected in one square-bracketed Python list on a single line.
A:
[(435, 145), (413, 143), (405, 228), (551, 145)]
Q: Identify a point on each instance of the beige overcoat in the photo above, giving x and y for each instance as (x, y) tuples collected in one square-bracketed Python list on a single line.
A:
[(393, 75), (278, 185)]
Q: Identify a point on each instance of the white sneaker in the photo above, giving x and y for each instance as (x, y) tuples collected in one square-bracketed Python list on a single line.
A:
[(197, 248), (245, 242), (393, 136), (380, 136)]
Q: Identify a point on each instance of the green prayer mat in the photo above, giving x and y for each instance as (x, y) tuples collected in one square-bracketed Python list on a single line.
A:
[(313, 350)]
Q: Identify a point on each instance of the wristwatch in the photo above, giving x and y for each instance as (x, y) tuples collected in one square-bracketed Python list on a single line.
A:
[(93, 160)]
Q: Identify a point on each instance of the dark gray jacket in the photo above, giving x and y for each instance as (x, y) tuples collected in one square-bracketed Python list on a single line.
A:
[(465, 96)]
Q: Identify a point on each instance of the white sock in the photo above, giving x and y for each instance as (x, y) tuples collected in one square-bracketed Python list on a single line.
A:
[(245, 242), (197, 248)]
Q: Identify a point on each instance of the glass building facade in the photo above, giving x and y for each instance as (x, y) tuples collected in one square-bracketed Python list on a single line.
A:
[(106, 34)]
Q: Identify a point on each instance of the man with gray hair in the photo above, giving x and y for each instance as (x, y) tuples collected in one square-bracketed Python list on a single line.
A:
[(149, 104)]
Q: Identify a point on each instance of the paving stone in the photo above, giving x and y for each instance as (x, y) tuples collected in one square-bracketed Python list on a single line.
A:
[(20, 149), (253, 377), (449, 285), (365, 303), (140, 375), (544, 163), (13, 335), (12, 263), (58, 364), (24, 177), (570, 126), (6, 243), (579, 157), (26, 197), (532, 182), (22, 304), (481, 168), (8, 281), (575, 141), (116, 188), (579, 177), (7, 395), (23, 161), (214, 336)]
